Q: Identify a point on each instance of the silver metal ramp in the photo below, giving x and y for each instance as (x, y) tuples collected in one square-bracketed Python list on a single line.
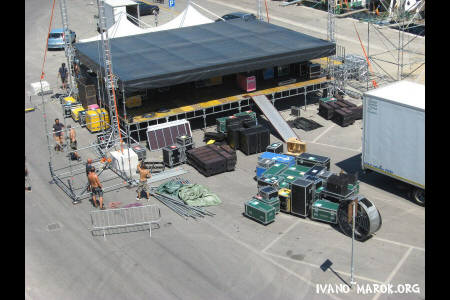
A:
[(274, 117)]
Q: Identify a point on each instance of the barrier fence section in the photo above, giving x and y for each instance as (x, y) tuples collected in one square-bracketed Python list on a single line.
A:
[(125, 217)]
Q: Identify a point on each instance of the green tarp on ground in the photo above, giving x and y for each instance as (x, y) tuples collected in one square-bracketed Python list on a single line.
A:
[(191, 194)]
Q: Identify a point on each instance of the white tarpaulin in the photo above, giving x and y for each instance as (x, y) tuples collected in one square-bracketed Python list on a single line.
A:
[(188, 17)]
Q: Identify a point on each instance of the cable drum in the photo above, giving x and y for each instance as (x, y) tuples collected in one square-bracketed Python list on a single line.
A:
[(367, 220)]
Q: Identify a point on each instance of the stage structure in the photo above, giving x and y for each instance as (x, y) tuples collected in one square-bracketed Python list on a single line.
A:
[(163, 59)]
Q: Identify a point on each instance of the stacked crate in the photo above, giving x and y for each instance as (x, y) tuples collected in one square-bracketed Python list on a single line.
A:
[(212, 159)]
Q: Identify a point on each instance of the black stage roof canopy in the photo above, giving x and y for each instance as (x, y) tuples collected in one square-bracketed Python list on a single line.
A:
[(176, 56)]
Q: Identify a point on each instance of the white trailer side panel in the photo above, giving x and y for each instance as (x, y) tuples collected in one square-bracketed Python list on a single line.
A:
[(394, 138)]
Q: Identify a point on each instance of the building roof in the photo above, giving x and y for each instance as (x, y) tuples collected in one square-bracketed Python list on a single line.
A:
[(181, 55)]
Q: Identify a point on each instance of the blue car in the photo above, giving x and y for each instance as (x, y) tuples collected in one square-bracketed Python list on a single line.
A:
[(56, 38)]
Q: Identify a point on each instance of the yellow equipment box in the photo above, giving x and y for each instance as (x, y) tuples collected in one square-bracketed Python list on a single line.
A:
[(76, 112), (69, 100), (97, 120), (295, 147), (134, 101)]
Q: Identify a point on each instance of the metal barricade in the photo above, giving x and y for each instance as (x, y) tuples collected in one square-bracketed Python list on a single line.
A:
[(125, 217)]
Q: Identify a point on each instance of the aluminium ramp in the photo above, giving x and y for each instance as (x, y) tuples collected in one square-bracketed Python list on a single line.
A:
[(274, 117)]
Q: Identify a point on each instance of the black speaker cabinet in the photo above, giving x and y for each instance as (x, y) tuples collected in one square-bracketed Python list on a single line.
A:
[(302, 195), (171, 155), (233, 134)]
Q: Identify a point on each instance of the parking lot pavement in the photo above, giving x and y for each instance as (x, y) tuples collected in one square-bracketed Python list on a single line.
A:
[(227, 256)]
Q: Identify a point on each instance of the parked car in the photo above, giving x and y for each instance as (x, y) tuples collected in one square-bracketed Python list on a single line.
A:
[(147, 9), (56, 38), (238, 15)]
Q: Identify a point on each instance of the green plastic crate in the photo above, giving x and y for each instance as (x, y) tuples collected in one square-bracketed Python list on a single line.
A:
[(328, 99), (252, 114), (274, 202), (259, 211), (324, 210)]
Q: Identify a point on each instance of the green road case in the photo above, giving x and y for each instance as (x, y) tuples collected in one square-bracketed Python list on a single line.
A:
[(274, 202), (259, 211), (296, 171), (274, 170), (324, 210)]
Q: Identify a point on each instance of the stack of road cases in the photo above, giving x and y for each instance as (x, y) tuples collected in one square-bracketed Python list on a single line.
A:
[(259, 211), (268, 192), (263, 165), (272, 181), (276, 169), (254, 140), (212, 159), (326, 111), (278, 158), (97, 120), (308, 159), (343, 117)]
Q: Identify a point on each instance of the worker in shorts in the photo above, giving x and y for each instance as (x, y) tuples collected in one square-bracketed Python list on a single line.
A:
[(73, 144), (96, 188), (143, 186), (63, 75), (58, 134)]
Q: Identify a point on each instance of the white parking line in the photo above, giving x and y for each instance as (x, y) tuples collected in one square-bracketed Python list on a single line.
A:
[(325, 131), (397, 267), (374, 238), (260, 254), (332, 146), (280, 236), (317, 266)]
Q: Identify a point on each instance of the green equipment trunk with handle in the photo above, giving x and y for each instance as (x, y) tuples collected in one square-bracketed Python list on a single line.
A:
[(324, 210), (259, 211)]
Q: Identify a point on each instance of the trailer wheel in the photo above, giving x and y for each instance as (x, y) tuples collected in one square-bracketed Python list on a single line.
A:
[(418, 196)]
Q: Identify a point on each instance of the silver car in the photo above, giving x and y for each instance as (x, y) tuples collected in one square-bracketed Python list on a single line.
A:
[(56, 38)]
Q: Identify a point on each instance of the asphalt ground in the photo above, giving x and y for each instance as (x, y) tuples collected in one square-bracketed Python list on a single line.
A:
[(227, 256)]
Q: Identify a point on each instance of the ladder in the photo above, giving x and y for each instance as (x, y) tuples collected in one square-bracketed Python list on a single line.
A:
[(69, 51), (110, 79)]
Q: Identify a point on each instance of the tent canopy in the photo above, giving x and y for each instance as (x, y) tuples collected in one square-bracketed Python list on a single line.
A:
[(181, 55), (123, 27)]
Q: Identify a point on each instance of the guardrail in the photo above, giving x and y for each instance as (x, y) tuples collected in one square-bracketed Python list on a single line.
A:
[(125, 217)]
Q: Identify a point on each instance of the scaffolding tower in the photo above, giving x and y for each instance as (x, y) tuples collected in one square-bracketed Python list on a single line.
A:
[(331, 37), (70, 176), (399, 53)]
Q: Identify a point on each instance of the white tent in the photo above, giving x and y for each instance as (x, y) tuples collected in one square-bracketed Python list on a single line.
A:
[(188, 17)]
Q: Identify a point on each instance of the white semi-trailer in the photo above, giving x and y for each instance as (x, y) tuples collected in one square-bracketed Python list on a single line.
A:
[(393, 141)]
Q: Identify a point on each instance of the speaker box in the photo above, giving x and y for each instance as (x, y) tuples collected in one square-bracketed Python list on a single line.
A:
[(249, 123), (171, 155), (233, 135), (302, 195), (248, 141)]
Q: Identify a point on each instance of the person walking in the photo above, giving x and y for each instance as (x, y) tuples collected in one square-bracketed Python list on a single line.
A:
[(143, 185), (58, 134), (63, 75), (96, 188)]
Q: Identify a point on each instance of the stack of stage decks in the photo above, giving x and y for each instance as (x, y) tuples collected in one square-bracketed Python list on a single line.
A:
[(212, 159), (259, 211), (240, 118)]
